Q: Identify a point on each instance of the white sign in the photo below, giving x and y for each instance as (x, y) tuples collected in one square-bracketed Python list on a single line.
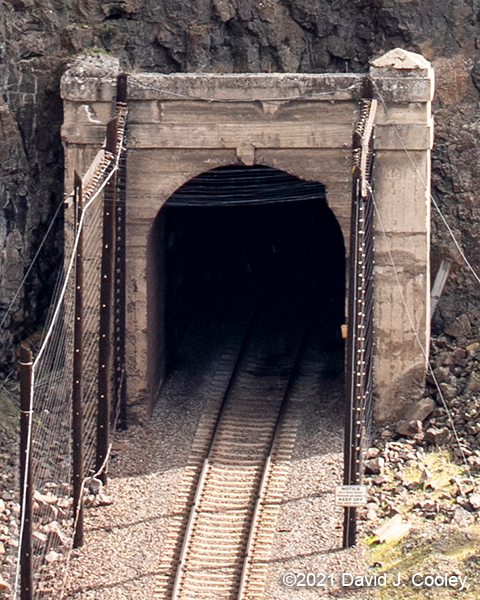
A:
[(351, 495)]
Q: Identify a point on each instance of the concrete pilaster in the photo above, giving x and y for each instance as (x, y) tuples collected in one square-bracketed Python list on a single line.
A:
[(403, 140)]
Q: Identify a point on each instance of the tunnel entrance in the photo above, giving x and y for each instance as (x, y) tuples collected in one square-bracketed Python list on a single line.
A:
[(233, 240), (183, 124)]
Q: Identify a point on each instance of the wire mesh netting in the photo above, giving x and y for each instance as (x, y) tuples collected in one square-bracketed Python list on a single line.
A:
[(52, 414), (50, 432)]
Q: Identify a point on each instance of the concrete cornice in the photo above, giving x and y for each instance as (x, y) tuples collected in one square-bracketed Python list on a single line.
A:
[(398, 76)]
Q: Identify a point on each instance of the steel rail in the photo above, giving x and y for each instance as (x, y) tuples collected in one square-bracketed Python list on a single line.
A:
[(261, 487), (249, 550), (203, 473)]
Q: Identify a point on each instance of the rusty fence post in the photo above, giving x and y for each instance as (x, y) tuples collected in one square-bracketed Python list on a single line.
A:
[(26, 483), (77, 384), (358, 380), (119, 414), (106, 292), (350, 513), (120, 299)]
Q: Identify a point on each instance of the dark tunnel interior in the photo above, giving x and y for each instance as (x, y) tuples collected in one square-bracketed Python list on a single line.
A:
[(240, 237)]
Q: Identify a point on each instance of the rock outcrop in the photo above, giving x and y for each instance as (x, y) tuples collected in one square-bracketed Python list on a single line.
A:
[(37, 40)]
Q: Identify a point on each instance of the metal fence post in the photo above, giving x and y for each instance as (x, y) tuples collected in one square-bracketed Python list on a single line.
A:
[(77, 390), (106, 288), (360, 309), (120, 301), (119, 294), (350, 513), (26, 484)]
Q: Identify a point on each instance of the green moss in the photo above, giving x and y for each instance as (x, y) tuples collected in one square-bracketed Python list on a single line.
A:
[(442, 467), (97, 50)]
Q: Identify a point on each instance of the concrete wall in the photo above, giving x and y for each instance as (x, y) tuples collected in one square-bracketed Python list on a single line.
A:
[(182, 125)]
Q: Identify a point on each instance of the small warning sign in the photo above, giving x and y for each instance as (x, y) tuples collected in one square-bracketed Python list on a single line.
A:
[(351, 495)]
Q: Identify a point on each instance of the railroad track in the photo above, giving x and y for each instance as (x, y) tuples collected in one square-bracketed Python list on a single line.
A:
[(229, 500)]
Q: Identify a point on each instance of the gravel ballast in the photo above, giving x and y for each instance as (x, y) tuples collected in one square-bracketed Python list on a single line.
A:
[(123, 548)]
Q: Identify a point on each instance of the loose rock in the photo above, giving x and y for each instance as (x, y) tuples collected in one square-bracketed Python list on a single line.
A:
[(411, 424), (375, 466), (473, 384), (474, 501), (410, 428), (460, 329), (52, 556), (4, 586), (372, 453), (462, 517), (437, 436)]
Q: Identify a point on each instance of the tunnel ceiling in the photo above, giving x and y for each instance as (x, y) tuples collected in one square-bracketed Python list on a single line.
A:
[(239, 185)]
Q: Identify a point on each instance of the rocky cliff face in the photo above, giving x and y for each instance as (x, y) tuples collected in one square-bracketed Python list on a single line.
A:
[(38, 38)]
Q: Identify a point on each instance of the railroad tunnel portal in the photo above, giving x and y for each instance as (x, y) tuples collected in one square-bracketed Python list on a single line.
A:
[(237, 240), (182, 125)]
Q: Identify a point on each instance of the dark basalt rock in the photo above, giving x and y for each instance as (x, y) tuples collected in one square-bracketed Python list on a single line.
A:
[(37, 39)]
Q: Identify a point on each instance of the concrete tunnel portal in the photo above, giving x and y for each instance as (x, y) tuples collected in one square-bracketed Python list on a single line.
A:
[(204, 250), (231, 240), (183, 124)]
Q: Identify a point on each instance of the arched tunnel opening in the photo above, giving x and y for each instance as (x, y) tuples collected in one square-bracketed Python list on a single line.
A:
[(236, 240)]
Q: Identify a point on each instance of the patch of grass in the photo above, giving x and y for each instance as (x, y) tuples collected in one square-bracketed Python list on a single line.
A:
[(459, 544), (439, 462), (93, 51), (429, 549), (96, 50), (437, 487), (432, 547), (401, 552)]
